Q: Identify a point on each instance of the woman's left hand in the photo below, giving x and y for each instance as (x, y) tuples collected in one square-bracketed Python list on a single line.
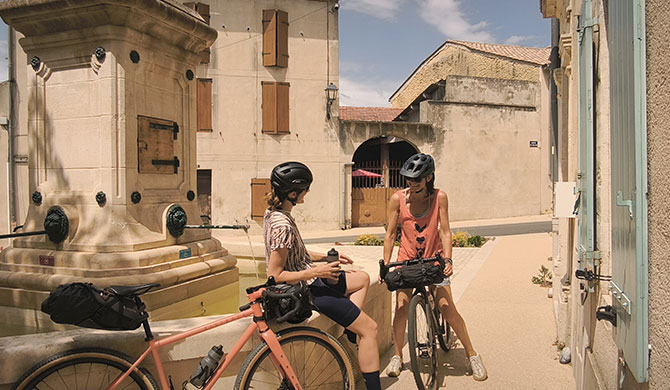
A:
[(448, 270)]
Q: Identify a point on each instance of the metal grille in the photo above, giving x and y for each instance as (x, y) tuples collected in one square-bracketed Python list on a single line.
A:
[(394, 180)]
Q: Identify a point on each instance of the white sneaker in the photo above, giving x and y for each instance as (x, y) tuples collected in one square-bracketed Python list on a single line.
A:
[(478, 369), (394, 367)]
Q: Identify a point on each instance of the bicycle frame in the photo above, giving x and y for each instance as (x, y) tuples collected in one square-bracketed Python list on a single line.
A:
[(259, 324)]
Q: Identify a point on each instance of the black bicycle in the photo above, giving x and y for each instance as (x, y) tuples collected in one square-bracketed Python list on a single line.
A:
[(425, 325)]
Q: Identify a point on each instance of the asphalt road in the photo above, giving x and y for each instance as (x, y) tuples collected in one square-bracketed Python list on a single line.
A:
[(488, 231)]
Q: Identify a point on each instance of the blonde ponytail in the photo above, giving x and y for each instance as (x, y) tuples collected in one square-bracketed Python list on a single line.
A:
[(273, 200)]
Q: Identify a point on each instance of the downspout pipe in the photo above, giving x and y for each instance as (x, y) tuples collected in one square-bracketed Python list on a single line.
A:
[(555, 63), (11, 74)]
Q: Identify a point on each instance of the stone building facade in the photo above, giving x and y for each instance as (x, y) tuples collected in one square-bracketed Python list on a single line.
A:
[(482, 110), (612, 141)]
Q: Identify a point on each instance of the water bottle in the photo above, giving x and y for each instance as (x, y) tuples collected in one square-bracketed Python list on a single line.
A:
[(333, 255), (207, 366)]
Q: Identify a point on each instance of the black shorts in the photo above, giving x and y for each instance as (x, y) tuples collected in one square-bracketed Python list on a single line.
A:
[(330, 300)]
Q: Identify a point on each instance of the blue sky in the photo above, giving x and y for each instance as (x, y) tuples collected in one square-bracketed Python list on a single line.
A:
[(383, 41)]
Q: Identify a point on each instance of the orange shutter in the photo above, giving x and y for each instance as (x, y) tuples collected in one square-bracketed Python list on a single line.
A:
[(204, 105), (282, 39), (269, 38), (283, 108), (259, 187), (269, 107)]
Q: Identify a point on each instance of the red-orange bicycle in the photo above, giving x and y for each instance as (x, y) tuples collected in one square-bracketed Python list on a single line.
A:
[(294, 358)]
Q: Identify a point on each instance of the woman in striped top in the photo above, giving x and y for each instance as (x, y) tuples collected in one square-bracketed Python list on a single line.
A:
[(338, 295)]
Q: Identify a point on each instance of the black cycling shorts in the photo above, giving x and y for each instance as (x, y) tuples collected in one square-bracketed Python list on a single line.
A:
[(330, 300)]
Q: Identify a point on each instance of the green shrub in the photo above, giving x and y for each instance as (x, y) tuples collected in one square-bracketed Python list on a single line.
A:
[(543, 278), (476, 241), (460, 239), (368, 239), (464, 239)]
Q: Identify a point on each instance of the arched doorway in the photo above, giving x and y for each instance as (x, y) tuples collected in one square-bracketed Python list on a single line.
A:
[(375, 177)]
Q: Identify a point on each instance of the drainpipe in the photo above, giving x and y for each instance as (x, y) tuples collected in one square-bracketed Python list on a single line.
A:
[(555, 63), (10, 126), (346, 195)]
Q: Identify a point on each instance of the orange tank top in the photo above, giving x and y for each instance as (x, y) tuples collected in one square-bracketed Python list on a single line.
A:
[(420, 237)]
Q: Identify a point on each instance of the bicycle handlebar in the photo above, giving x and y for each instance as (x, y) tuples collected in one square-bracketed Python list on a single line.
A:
[(384, 268)]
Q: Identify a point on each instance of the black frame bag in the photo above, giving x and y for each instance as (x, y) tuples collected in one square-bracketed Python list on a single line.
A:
[(85, 305), (415, 275), (288, 302)]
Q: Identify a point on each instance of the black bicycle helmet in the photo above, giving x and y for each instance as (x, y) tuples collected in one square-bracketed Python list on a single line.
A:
[(418, 166), (290, 176)]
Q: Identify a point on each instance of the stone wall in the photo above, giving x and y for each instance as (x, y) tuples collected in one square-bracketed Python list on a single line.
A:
[(457, 61), (658, 116), (480, 136)]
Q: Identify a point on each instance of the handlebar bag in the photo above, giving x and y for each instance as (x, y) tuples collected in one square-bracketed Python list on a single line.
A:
[(85, 305), (275, 308), (413, 276)]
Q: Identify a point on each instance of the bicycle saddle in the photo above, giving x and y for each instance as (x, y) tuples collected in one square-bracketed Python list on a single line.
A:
[(139, 289)]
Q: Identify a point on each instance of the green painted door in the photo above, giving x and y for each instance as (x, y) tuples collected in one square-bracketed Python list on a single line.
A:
[(629, 286), (587, 252)]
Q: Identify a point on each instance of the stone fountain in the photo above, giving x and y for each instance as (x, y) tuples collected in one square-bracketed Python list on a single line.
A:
[(111, 99)]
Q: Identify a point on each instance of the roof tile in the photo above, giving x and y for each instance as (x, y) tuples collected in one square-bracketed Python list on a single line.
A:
[(379, 114)]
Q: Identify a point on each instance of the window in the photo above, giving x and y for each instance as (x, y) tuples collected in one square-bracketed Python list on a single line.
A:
[(259, 187), (275, 38), (203, 10), (204, 105), (204, 187), (275, 107)]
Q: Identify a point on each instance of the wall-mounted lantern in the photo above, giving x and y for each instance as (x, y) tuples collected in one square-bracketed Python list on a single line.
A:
[(331, 96)]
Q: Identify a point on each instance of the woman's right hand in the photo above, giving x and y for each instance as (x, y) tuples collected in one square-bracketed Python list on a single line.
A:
[(327, 270)]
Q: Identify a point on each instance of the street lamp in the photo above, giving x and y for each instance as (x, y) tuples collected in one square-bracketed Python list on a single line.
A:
[(331, 95)]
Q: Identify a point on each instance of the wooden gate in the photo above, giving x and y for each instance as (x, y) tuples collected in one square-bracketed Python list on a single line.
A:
[(370, 195)]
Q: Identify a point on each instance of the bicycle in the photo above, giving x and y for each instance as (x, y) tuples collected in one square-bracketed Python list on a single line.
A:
[(280, 361), (425, 325)]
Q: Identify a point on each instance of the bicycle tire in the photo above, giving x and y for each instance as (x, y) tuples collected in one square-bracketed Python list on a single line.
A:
[(84, 369), (422, 344), (443, 329), (319, 348)]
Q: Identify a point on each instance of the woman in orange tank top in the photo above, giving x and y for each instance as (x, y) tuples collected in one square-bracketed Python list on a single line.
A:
[(422, 211)]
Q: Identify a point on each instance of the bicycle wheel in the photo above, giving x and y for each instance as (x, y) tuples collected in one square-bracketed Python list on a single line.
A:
[(84, 369), (422, 344), (318, 360), (443, 329)]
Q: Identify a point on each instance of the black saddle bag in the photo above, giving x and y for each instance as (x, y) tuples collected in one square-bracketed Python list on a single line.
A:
[(415, 275), (85, 305)]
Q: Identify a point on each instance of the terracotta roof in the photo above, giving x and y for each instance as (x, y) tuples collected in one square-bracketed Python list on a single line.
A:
[(381, 114), (535, 55)]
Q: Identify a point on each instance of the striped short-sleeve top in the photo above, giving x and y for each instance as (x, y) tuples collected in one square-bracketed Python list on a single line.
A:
[(280, 231)]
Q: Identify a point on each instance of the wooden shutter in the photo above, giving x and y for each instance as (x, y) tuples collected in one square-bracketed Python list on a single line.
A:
[(275, 107), (282, 39), (203, 10), (269, 38), (204, 105), (283, 108), (269, 107), (259, 187)]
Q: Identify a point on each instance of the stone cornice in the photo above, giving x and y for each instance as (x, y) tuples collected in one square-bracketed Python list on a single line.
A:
[(549, 8), (166, 20)]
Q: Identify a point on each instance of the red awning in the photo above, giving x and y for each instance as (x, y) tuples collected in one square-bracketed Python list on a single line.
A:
[(364, 173)]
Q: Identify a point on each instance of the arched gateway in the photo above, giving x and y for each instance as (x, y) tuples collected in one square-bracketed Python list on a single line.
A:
[(376, 176)]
